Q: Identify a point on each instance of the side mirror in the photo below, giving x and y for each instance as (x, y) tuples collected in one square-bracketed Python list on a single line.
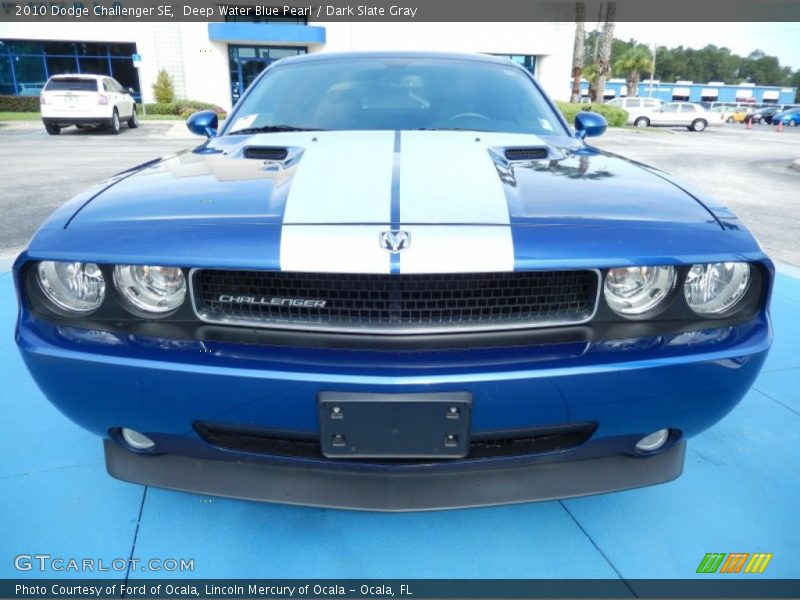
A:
[(589, 124), (131, 91), (205, 122)]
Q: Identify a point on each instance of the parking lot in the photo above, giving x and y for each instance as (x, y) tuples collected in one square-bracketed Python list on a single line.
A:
[(44, 171), (748, 170)]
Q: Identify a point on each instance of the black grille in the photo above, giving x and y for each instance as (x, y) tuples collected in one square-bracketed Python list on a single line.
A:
[(401, 303), (263, 153), (526, 153), (284, 444)]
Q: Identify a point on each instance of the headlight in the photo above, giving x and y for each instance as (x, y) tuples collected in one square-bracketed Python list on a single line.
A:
[(151, 289), (73, 287), (715, 288), (633, 291)]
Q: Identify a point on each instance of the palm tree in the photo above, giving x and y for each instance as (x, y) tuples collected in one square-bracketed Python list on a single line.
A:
[(578, 51), (604, 58), (633, 63), (590, 74)]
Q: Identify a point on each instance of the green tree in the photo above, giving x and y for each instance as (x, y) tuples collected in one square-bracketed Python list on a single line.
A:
[(163, 89), (632, 64), (711, 63), (794, 81), (765, 70), (591, 73)]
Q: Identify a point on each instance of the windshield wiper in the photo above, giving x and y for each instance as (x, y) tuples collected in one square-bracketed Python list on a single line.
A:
[(272, 129)]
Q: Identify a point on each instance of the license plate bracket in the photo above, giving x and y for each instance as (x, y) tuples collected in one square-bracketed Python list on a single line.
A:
[(392, 426)]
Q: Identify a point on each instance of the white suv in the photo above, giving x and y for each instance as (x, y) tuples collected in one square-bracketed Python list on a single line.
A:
[(638, 108), (86, 100)]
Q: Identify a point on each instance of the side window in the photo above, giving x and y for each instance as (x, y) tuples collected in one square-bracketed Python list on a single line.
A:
[(688, 108), (669, 108), (118, 87), (108, 86), (616, 102), (634, 103), (650, 103)]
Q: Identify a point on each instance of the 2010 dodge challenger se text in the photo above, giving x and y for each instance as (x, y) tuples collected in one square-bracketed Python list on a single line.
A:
[(394, 282)]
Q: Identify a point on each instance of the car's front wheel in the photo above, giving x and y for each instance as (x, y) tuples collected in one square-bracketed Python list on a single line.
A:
[(731, 119), (792, 123), (698, 125), (642, 122), (52, 128), (113, 125), (133, 122)]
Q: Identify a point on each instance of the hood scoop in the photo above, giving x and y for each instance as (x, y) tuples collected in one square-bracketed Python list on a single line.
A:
[(275, 153), (525, 153)]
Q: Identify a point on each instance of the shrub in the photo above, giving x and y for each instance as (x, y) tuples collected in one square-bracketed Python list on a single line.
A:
[(179, 107), (188, 112), (163, 89), (615, 116), (159, 109), (19, 103)]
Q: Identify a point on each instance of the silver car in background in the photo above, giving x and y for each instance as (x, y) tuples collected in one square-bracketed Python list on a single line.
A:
[(678, 114)]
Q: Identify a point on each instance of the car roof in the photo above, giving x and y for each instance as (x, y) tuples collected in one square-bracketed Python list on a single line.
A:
[(78, 76), (335, 56)]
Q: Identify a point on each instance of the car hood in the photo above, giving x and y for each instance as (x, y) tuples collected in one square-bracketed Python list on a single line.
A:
[(393, 179)]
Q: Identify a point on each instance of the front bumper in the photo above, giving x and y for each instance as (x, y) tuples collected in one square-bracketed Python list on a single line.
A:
[(165, 387), (394, 491)]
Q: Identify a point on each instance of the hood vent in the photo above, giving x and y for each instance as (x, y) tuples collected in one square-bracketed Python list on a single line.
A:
[(266, 153), (528, 153)]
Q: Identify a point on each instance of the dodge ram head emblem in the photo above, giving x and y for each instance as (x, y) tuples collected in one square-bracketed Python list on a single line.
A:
[(395, 241)]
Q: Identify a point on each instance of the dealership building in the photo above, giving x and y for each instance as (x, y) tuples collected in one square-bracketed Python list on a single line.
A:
[(689, 91), (215, 62)]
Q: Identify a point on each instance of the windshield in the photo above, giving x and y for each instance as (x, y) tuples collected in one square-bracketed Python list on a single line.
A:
[(396, 94)]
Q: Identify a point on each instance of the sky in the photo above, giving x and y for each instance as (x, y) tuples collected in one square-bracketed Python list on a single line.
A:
[(777, 39)]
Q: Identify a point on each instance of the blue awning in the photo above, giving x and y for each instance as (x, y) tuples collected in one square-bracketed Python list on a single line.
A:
[(266, 33)]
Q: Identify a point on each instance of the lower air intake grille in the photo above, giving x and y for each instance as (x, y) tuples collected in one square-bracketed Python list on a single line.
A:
[(281, 444), (394, 304)]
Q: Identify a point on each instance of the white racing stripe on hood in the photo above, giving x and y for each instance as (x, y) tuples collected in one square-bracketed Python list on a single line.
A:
[(448, 177), (458, 249), (451, 201), (333, 249), (343, 177)]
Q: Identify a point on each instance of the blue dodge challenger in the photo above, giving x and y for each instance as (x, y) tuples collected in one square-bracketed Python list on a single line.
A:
[(394, 282)]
